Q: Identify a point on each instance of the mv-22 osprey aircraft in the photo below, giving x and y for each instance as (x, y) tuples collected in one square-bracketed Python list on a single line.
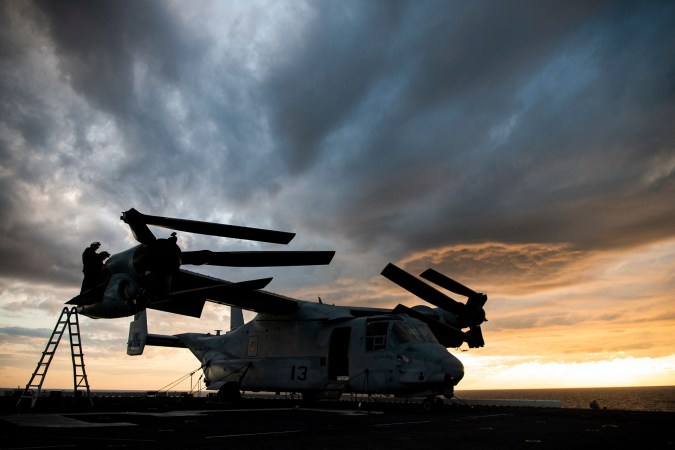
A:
[(315, 348)]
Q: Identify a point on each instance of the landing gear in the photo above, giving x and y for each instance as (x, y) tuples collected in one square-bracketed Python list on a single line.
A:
[(310, 397), (432, 403), (229, 393)]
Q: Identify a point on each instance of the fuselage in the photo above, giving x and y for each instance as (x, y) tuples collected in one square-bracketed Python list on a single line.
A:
[(324, 348)]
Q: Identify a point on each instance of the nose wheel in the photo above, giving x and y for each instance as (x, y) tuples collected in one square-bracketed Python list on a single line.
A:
[(432, 403), (229, 393)]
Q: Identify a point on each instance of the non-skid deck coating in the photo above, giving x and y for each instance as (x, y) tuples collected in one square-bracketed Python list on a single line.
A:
[(258, 425)]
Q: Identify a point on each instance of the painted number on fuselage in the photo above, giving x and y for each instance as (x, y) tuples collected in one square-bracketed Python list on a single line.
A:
[(299, 373)]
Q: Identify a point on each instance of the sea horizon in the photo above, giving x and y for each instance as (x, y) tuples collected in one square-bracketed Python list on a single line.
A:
[(632, 398)]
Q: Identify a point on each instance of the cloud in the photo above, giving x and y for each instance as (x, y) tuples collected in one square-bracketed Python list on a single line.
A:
[(512, 373), (512, 268), (404, 138), (519, 147), (573, 302), (26, 332), (523, 148)]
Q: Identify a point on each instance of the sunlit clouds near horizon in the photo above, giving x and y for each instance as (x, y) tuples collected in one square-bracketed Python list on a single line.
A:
[(525, 149)]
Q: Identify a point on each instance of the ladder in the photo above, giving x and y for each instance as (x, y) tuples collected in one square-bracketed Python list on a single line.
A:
[(69, 319)]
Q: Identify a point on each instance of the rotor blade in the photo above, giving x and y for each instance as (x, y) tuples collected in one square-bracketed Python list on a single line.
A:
[(447, 283), (475, 298), (206, 292), (257, 259), (137, 223), (475, 337), (445, 334), (215, 229), (421, 289), (260, 302)]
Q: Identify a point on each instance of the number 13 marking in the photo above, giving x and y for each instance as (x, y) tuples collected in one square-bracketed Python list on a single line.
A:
[(299, 373)]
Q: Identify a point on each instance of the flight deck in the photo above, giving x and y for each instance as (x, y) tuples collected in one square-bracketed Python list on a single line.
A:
[(280, 424)]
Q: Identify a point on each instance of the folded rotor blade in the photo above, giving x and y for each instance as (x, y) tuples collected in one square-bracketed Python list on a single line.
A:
[(258, 259), (422, 290), (260, 301), (137, 223), (220, 289), (210, 228), (475, 337), (447, 283), (475, 298)]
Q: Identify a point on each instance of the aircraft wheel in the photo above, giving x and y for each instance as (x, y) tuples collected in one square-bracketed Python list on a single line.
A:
[(428, 404), (310, 397), (432, 403), (229, 393)]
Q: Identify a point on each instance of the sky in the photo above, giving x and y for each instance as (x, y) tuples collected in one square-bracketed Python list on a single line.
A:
[(524, 148)]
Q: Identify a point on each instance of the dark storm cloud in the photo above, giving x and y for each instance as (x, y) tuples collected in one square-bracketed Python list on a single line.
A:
[(114, 105), (346, 50), (124, 59), (483, 121), (424, 56), (153, 75), (99, 42), (382, 127), (45, 151)]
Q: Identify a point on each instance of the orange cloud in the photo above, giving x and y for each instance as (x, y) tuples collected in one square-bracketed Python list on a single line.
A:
[(565, 317)]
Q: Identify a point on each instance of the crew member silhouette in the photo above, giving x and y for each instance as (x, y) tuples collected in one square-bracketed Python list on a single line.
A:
[(92, 266)]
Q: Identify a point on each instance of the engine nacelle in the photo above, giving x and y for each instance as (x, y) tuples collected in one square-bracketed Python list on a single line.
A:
[(122, 289)]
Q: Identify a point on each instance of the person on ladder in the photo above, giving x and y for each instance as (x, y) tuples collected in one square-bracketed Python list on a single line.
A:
[(92, 266)]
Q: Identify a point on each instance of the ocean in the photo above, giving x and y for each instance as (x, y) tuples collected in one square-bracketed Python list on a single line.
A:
[(653, 398)]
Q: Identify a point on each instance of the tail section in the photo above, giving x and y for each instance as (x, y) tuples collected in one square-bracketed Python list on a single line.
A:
[(138, 334), (139, 337)]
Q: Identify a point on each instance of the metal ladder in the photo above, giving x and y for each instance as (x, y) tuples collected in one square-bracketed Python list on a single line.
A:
[(70, 319)]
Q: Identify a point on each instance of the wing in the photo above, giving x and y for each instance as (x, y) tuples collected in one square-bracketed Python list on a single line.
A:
[(215, 290)]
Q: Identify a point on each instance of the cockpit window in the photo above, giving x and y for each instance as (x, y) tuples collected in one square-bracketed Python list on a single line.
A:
[(426, 333), (397, 332), (376, 335), (402, 332)]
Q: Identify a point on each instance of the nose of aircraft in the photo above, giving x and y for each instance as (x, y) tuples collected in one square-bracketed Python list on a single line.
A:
[(449, 370), (436, 366), (454, 372)]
